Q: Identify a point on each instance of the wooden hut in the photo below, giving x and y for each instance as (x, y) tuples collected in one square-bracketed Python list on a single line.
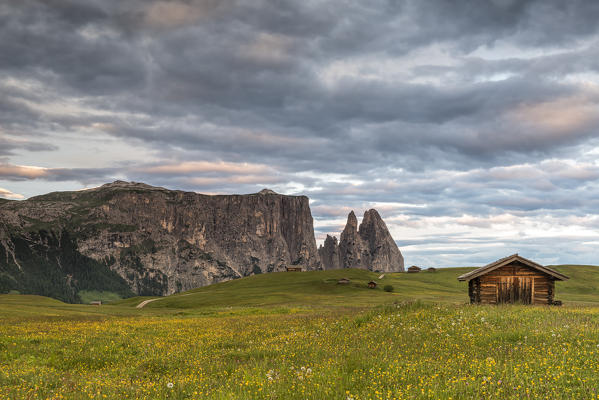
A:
[(414, 269), (96, 303), (294, 269), (343, 281), (372, 285), (512, 279), (431, 269)]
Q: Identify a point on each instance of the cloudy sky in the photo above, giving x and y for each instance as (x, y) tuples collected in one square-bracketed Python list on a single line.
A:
[(472, 126)]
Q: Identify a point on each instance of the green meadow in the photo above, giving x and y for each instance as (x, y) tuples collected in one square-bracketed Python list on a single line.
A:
[(301, 335)]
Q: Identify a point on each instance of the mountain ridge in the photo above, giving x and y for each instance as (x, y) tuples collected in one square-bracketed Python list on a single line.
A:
[(146, 240)]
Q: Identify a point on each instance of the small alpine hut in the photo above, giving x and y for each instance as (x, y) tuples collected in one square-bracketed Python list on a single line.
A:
[(372, 285), (414, 269), (512, 279)]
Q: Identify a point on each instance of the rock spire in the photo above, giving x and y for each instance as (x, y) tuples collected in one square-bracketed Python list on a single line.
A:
[(369, 247)]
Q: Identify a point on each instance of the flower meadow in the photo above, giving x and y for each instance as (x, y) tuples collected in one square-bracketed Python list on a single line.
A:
[(400, 351)]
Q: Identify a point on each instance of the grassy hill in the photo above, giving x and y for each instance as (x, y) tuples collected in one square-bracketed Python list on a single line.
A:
[(302, 336), (301, 290), (320, 289)]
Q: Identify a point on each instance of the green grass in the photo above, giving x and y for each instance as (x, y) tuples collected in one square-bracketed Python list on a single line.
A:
[(87, 296), (320, 289), (402, 351), (583, 285), (303, 336)]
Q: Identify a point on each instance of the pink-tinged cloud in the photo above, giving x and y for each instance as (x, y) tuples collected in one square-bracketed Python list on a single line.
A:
[(236, 179), (194, 167), (268, 48), (331, 211), (7, 194), (22, 172), (564, 117), (173, 14)]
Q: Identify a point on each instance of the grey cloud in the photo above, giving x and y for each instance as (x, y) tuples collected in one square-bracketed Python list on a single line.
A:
[(41, 37), (309, 90), (10, 172), (201, 69), (8, 146)]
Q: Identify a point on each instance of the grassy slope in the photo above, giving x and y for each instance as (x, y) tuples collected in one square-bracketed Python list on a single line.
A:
[(319, 288), (192, 345), (313, 289), (583, 285), (87, 296), (17, 308)]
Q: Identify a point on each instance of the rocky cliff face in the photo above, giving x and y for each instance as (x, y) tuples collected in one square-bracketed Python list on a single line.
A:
[(329, 253), (156, 240), (370, 247)]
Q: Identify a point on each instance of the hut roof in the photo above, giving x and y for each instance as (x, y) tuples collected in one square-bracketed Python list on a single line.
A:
[(507, 260)]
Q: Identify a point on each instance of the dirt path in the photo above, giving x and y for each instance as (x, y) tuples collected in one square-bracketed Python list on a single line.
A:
[(143, 303)]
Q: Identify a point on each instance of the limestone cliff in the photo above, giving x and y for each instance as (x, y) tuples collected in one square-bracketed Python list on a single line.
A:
[(370, 246), (156, 240), (329, 253)]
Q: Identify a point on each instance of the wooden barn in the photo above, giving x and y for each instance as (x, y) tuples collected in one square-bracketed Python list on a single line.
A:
[(414, 269), (512, 279)]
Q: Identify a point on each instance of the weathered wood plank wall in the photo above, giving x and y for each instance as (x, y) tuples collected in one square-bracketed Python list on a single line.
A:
[(513, 282)]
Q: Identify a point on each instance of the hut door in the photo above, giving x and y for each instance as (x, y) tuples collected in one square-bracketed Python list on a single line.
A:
[(514, 289)]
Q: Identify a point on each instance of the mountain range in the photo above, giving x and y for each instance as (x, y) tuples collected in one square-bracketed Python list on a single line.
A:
[(135, 239)]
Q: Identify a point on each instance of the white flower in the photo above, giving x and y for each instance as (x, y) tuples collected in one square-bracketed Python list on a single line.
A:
[(170, 385)]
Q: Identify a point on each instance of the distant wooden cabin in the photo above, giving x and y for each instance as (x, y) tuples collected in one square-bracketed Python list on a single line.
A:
[(414, 269), (294, 269), (372, 284), (512, 279), (343, 281), (96, 303), (431, 269)]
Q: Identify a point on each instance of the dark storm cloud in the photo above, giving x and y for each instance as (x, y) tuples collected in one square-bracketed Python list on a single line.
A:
[(252, 67), (439, 113), (73, 40)]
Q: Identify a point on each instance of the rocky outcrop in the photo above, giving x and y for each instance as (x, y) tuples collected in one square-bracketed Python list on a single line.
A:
[(161, 241), (329, 253), (369, 247), (351, 247)]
